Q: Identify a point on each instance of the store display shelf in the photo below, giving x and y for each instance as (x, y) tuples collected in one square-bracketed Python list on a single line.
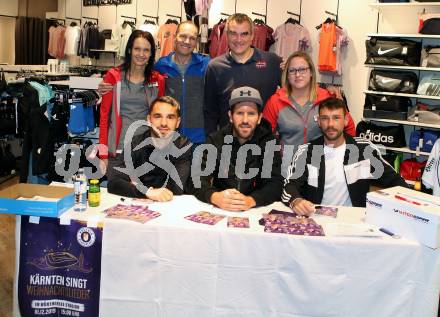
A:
[(406, 150), (428, 69), (103, 51), (373, 92), (409, 182), (411, 123), (404, 4), (413, 35)]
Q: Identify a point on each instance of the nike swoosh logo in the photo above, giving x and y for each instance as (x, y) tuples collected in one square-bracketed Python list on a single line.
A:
[(381, 52), (387, 80)]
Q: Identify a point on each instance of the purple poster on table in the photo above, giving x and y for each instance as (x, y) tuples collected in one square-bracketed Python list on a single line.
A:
[(60, 268)]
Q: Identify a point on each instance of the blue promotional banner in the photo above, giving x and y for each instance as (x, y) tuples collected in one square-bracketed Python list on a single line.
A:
[(60, 268)]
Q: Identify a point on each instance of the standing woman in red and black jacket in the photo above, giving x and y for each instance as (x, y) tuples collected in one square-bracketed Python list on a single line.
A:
[(128, 91), (293, 110)]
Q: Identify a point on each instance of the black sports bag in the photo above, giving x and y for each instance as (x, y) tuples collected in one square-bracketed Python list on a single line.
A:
[(393, 136), (392, 81), (431, 26), (393, 51), (387, 103)]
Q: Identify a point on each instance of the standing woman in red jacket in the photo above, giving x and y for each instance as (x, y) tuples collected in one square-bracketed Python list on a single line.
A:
[(293, 110), (131, 88)]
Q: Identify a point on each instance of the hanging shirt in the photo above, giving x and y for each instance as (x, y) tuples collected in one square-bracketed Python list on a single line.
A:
[(165, 37), (50, 46), (219, 41), (93, 41), (263, 38), (72, 38), (202, 5), (45, 93), (121, 33), (204, 33), (61, 42), (290, 38), (214, 38), (341, 44), (431, 174), (190, 8), (82, 44), (151, 28), (335, 186), (327, 48)]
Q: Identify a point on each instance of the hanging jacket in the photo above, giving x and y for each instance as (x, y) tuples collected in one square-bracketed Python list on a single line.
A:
[(188, 90), (283, 115), (110, 121)]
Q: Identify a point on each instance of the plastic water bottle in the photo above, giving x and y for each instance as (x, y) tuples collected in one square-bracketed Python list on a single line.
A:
[(80, 188)]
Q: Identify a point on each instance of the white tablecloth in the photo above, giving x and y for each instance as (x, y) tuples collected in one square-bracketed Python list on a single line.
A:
[(173, 267)]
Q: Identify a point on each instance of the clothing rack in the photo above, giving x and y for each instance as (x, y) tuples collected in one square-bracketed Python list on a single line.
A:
[(151, 17), (174, 16), (325, 85), (260, 15), (88, 18), (73, 23), (9, 16), (128, 17), (295, 14), (333, 14), (56, 19), (67, 18)]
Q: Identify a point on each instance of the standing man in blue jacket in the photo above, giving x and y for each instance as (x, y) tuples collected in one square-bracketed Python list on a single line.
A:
[(184, 73)]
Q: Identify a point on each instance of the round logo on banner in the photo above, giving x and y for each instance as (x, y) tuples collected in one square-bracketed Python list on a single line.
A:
[(86, 237)]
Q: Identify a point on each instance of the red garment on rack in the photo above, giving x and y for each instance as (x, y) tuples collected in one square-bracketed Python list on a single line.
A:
[(165, 37), (219, 41), (327, 48), (263, 37)]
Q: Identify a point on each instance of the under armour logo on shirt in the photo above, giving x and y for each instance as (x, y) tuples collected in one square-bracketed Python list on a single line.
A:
[(242, 93)]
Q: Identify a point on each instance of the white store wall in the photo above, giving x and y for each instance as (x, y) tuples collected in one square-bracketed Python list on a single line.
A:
[(356, 17), (7, 31)]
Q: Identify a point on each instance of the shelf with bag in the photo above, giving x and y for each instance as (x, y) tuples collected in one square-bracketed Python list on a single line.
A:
[(392, 137), (405, 122), (103, 51), (401, 111), (403, 4), (417, 68), (407, 150), (386, 93), (407, 35)]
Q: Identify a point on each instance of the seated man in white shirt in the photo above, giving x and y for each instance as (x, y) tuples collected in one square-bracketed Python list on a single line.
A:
[(335, 169)]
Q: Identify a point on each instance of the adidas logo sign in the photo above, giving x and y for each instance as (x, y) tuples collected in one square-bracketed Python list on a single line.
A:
[(377, 138)]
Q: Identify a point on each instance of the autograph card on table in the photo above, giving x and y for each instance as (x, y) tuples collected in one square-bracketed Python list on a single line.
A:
[(292, 225), (238, 222), (131, 212), (326, 211), (205, 217)]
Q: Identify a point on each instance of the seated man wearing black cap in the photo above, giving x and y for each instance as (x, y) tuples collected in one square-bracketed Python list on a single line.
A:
[(241, 176)]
